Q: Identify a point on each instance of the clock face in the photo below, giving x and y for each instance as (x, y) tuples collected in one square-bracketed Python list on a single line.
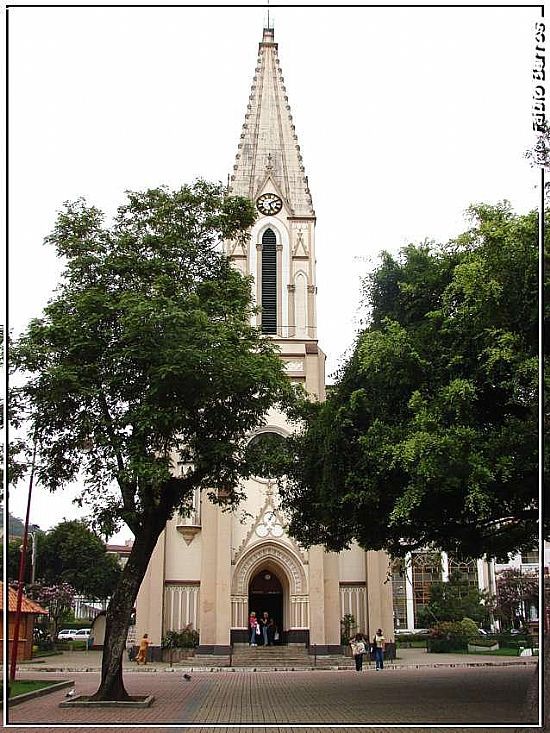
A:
[(269, 204)]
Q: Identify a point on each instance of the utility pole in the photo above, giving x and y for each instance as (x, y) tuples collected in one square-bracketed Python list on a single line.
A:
[(22, 559)]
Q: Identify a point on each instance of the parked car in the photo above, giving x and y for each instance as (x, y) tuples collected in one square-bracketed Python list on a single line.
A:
[(74, 634)]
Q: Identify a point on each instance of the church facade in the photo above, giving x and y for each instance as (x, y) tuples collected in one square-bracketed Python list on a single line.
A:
[(213, 568)]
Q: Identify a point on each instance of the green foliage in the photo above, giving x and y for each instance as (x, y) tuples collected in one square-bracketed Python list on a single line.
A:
[(451, 636), (454, 600), (76, 555), (144, 375), (146, 352), (430, 436), (187, 638), (267, 455), (348, 628)]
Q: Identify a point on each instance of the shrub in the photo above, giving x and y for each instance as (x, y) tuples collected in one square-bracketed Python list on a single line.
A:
[(187, 638), (449, 636), (470, 627), (347, 628)]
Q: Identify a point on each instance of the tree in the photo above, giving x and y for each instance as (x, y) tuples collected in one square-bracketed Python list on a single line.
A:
[(57, 598), (454, 600), (145, 371), (515, 589), (72, 553), (429, 437)]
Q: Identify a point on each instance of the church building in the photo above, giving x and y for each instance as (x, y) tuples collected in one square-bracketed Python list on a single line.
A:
[(213, 568)]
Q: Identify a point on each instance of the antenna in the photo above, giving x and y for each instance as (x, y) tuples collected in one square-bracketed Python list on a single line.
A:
[(268, 14)]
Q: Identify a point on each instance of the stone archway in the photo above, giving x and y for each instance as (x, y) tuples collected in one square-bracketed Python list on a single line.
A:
[(276, 558)]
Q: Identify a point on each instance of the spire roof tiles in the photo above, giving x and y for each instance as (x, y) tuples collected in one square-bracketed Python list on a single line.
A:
[(269, 145)]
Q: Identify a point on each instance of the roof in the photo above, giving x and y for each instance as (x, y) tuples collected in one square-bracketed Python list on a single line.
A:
[(269, 150), (27, 606)]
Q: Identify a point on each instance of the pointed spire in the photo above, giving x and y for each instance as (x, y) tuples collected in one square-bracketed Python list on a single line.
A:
[(269, 148)]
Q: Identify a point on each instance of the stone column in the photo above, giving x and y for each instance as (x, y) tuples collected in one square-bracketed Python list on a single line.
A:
[(332, 603), (215, 591), (379, 594), (409, 589), (316, 597)]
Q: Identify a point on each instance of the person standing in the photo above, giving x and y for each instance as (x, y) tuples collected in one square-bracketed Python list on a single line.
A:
[(358, 649), (141, 656), (379, 644), (271, 632), (252, 627), (264, 624)]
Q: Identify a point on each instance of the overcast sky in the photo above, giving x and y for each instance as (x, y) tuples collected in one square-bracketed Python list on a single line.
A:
[(404, 117)]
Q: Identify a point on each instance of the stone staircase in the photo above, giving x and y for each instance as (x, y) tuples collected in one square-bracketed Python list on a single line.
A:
[(292, 657), (271, 657)]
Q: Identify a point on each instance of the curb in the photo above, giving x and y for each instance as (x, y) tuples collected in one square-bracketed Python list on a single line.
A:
[(18, 699), (320, 667)]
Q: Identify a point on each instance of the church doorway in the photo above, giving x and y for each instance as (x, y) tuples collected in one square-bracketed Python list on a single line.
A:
[(266, 594)]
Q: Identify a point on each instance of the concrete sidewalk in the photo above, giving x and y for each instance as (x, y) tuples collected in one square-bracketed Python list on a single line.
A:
[(90, 661)]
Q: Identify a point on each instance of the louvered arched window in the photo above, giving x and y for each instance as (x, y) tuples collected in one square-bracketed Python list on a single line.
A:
[(269, 282)]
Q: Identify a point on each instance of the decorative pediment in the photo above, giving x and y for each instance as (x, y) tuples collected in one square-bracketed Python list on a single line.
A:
[(268, 524)]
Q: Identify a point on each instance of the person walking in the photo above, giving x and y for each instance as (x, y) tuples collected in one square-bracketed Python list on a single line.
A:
[(141, 656), (253, 628), (358, 648), (379, 645)]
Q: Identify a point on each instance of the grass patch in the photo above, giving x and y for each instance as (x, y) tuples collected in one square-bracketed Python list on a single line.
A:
[(20, 687), (506, 652)]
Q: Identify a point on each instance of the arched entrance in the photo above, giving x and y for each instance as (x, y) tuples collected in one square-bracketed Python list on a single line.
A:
[(265, 593)]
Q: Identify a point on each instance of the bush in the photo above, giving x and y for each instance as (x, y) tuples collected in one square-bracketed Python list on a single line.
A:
[(470, 627), (187, 638), (347, 628), (450, 636)]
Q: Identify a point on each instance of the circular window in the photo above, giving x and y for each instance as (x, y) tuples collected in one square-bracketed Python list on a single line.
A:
[(267, 455)]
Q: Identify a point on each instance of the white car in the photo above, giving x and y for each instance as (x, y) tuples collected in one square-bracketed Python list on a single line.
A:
[(73, 634)]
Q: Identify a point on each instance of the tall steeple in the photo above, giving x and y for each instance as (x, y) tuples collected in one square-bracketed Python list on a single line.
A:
[(269, 147)]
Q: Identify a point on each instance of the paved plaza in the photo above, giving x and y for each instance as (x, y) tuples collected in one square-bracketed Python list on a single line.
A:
[(448, 694)]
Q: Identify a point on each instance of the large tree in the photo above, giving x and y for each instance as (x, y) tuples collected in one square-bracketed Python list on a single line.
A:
[(145, 372), (74, 554), (430, 436)]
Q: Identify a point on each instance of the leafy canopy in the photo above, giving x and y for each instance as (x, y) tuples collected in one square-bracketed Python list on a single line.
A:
[(429, 436), (144, 376), (71, 553), (146, 355)]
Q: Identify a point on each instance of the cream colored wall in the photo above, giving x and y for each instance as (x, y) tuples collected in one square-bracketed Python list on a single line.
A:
[(149, 602), (183, 561), (352, 565)]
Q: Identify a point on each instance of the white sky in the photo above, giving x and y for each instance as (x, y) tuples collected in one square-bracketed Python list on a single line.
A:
[(404, 116)]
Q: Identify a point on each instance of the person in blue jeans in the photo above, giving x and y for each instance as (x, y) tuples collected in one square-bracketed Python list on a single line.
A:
[(264, 625), (379, 644)]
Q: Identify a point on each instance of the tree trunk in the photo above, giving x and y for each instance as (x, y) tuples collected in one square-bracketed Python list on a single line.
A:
[(120, 609)]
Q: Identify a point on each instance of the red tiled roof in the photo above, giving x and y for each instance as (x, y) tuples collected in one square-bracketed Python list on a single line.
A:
[(27, 606)]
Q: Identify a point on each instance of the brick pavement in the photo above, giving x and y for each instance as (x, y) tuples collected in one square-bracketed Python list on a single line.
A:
[(447, 696)]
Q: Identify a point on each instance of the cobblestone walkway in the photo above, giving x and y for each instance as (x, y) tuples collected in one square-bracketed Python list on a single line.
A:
[(440, 696)]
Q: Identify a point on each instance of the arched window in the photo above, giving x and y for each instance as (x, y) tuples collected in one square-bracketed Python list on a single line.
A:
[(269, 282)]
